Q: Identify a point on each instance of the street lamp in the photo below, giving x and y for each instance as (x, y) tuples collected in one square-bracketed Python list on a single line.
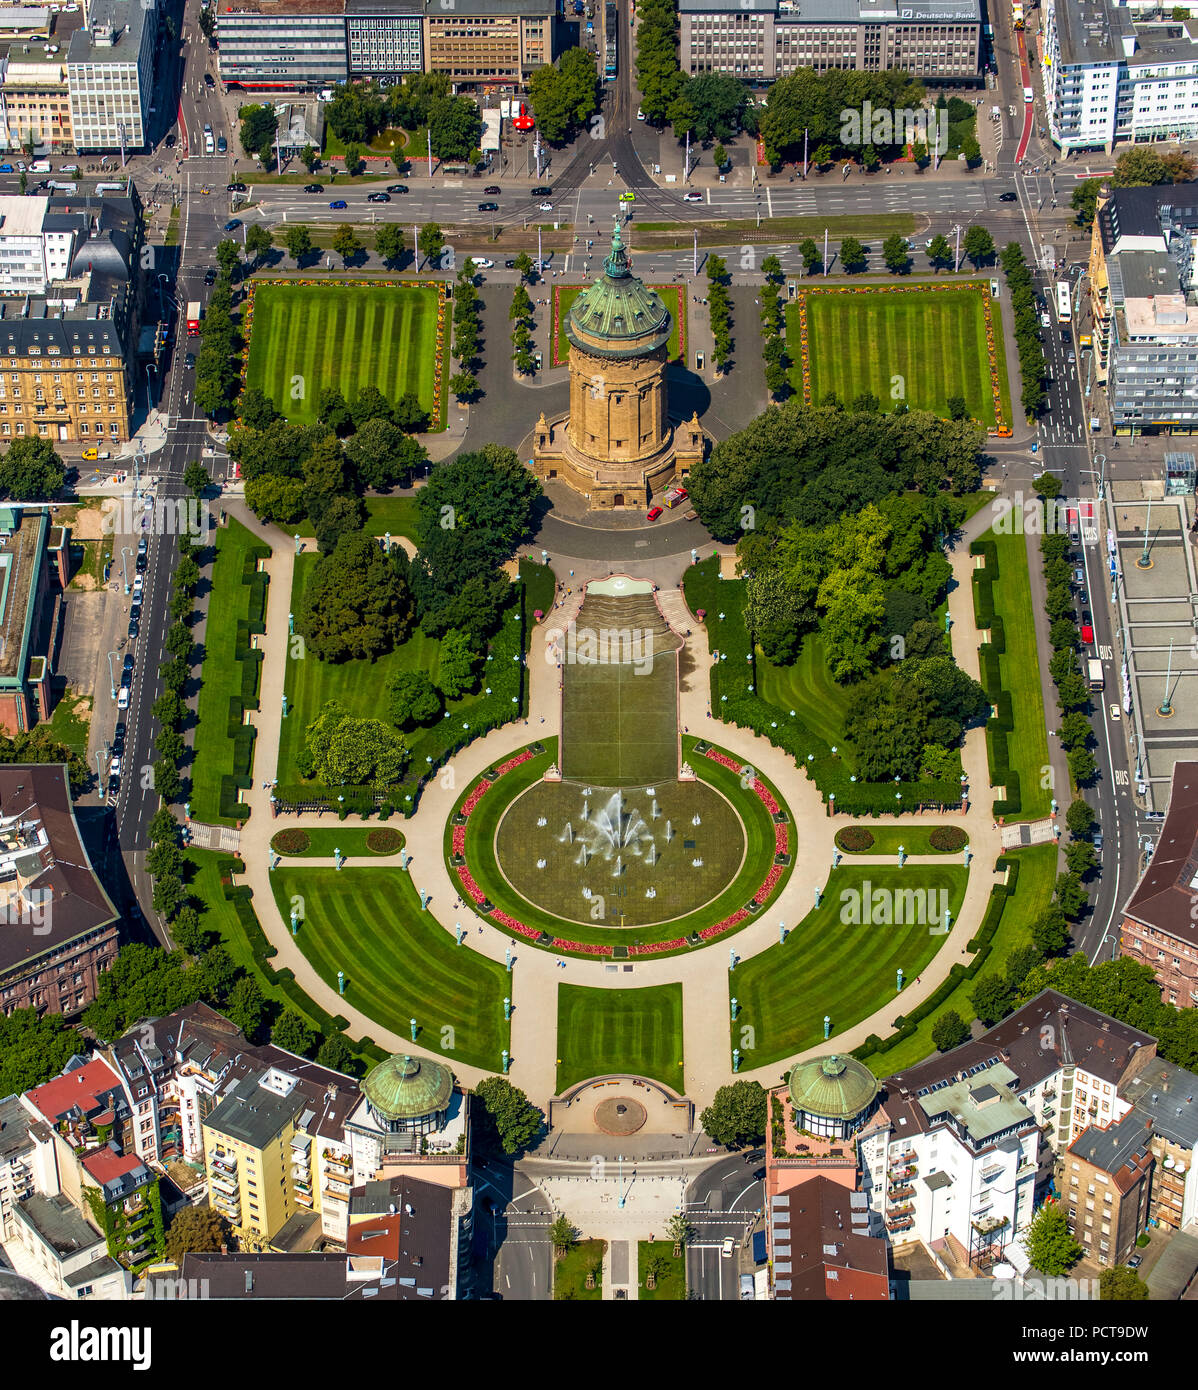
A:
[(125, 550), (111, 679)]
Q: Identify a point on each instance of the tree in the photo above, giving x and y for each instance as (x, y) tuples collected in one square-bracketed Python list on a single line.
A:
[(1048, 485), (195, 1229), (1121, 1285), (737, 1114), (1050, 1247), (293, 1034), (719, 156), (412, 699), (1084, 201), (369, 404), (208, 23), (228, 258), (991, 999), (509, 1117), (389, 242), (332, 410), (971, 149), (257, 241), (31, 471), (950, 1030), (346, 243), (957, 409), (1081, 858), (1050, 931), (1139, 166), (409, 414), (309, 157), (565, 94), (679, 1228), (246, 1006), (1071, 895), (255, 408), (1079, 818), (342, 750), (1082, 766), (852, 254), (811, 255), (353, 160), (771, 267), (463, 385), (279, 500), (563, 1234), (195, 478), (430, 242), (357, 602), (259, 125), (335, 1053), (457, 668), (978, 245), (298, 241), (896, 254), (1075, 730), (939, 251), (455, 126), (523, 265), (382, 454)]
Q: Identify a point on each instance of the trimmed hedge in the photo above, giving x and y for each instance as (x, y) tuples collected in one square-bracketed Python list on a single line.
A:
[(906, 1024), (241, 734), (854, 839), (294, 841), (383, 840), (1002, 723), (947, 838)]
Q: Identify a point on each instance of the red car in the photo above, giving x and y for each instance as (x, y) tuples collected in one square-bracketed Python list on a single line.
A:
[(1087, 633), (653, 513)]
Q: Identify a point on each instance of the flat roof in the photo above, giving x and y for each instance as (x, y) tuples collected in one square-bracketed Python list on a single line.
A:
[(59, 1224), (984, 1103), (1167, 1095), (254, 1114)]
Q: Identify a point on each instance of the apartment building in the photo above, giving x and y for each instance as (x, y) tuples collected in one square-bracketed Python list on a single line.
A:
[(37, 244), (760, 40), (110, 75), (1160, 921), (963, 1144), (821, 1246), (35, 103), (1165, 1099), (1106, 1184), (311, 44), (62, 927), (1112, 72), (423, 1231), (64, 1254)]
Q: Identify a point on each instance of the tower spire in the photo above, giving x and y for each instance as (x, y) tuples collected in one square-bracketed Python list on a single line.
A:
[(616, 264)]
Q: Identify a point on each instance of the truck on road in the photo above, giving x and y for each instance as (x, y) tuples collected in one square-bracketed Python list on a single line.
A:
[(194, 313), (1094, 673)]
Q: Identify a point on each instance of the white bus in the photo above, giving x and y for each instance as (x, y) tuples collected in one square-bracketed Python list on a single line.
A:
[(1064, 309)]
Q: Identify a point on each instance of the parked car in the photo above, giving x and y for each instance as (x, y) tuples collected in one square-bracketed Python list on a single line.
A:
[(338, 204), (1079, 575), (748, 1291), (128, 666), (1007, 197), (118, 738), (482, 262), (546, 207), (378, 197), (235, 188), (114, 768), (488, 207), (492, 188), (114, 787), (1135, 1261), (1097, 837), (233, 223), (397, 188), (541, 192), (653, 513), (134, 627), (139, 585), (142, 546), (170, 142), (640, 115), (314, 188), (122, 697), (1087, 633)]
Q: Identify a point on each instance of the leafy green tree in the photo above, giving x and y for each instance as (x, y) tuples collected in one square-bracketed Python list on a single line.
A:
[(279, 500), (298, 241), (292, 1033), (1081, 858), (430, 242), (719, 156), (1048, 485), (196, 479), (309, 158), (1084, 201), (208, 23), (1079, 818), (228, 258), (1082, 766), (383, 455), (564, 94), (896, 254), (255, 409), (971, 149), (810, 252), (679, 1228), (1075, 730), (195, 1229), (245, 1007), (771, 267), (1048, 1242), (563, 1234), (30, 470), (389, 242), (1050, 931), (412, 699), (455, 125), (457, 666), (463, 385), (1139, 166), (852, 254), (346, 243), (259, 125), (357, 602), (342, 750), (950, 1030), (336, 1054), (33, 1049), (369, 404), (940, 252), (523, 265), (1121, 1285), (957, 409), (1071, 895), (737, 1114), (258, 241), (991, 999), (332, 410), (509, 1119), (978, 245)]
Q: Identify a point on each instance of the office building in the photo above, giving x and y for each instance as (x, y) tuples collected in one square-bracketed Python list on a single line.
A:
[(62, 927), (759, 40), (34, 559), (35, 103), (37, 244), (1115, 73), (110, 74), (384, 40), (285, 44), (1160, 921)]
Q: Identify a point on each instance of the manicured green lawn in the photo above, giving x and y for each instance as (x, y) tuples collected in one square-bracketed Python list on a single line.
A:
[(399, 963), (349, 839), (383, 514), (915, 839), (846, 971), (71, 721), (221, 677), (1019, 665), (758, 861), (670, 1287), (385, 142), (673, 296), (932, 338), (635, 1031), (343, 335), (1033, 893), (570, 1272), (807, 688)]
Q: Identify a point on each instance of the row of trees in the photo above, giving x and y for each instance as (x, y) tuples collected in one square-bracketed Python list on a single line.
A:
[(564, 95), (467, 339), (719, 309), (773, 329), (169, 709), (713, 106), (521, 318), (1027, 328), (810, 106)]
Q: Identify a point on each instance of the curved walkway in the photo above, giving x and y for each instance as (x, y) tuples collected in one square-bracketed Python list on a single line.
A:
[(703, 973)]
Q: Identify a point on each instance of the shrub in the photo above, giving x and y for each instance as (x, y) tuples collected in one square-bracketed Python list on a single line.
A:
[(293, 841), (854, 839), (383, 841), (948, 838)]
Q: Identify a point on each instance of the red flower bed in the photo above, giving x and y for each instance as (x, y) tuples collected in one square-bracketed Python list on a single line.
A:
[(723, 759), (781, 839), (515, 762), (473, 891), (763, 792), (513, 925), (459, 839), (473, 799), (771, 880), (657, 947), (737, 917), (583, 947)]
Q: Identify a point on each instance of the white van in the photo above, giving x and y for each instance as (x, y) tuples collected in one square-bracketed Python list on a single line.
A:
[(209, 143), (40, 166)]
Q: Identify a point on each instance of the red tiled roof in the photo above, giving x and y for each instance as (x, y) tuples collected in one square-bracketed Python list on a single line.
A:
[(82, 1087), (377, 1237), (104, 1165)]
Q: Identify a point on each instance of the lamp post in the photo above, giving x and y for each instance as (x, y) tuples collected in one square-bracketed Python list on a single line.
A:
[(1143, 563), (827, 1027), (111, 679), (507, 1006), (957, 248), (125, 550), (506, 1061)]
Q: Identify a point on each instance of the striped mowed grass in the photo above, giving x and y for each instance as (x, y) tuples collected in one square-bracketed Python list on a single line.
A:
[(926, 344), (307, 337), (634, 1031)]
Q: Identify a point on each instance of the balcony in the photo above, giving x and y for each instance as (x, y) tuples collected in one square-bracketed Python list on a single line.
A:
[(226, 1162), (334, 1194), (221, 1182), (231, 1206), (304, 1199), (907, 1156), (899, 1223), (302, 1184), (905, 1209), (342, 1161), (992, 1170), (897, 1194)]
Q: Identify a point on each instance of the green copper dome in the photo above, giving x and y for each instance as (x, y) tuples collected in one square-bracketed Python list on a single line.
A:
[(836, 1088), (619, 315), (405, 1088)]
